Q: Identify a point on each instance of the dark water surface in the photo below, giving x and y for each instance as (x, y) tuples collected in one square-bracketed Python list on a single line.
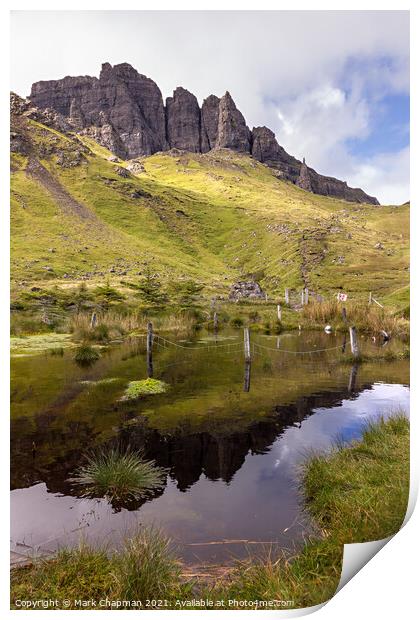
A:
[(232, 437)]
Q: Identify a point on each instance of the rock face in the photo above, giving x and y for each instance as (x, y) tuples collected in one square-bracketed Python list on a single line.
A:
[(267, 150), (124, 111), (125, 106), (304, 179), (183, 121), (248, 290), (232, 132), (209, 123)]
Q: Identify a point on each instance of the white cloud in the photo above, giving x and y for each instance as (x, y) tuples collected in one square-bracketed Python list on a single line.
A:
[(385, 175)]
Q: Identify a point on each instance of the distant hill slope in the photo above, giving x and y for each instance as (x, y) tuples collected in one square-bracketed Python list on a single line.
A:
[(216, 218)]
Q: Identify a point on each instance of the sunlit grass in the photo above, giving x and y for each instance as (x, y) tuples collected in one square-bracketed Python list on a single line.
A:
[(144, 387)]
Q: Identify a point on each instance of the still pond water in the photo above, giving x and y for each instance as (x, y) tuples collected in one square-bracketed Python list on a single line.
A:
[(231, 437)]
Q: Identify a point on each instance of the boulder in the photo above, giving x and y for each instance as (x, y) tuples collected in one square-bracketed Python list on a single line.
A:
[(246, 290)]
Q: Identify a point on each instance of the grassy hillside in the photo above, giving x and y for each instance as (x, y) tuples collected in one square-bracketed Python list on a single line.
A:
[(213, 218)]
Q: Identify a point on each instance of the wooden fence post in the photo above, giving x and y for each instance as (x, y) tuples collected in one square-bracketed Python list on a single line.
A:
[(247, 347), (353, 377), (149, 347), (306, 296), (353, 342), (286, 296), (215, 322), (93, 320), (279, 312), (370, 297), (247, 375), (302, 297)]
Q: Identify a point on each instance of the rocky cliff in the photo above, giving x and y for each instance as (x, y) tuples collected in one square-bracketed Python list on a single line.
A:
[(124, 111)]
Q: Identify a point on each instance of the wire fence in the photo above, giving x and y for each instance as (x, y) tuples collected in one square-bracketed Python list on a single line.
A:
[(235, 346)]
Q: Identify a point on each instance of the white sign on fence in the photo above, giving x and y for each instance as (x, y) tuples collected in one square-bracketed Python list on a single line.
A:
[(342, 296)]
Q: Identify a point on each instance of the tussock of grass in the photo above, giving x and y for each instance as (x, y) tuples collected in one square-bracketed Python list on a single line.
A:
[(86, 355), (147, 565), (145, 387), (118, 476)]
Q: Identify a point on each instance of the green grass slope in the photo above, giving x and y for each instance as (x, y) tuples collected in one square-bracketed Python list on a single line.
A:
[(213, 218)]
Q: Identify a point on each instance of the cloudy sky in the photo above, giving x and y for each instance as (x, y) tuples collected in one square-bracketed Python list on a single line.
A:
[(332, 85)]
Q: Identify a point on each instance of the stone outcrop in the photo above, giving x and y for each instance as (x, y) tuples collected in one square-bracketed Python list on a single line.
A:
[(304, 179), (267, 150), (247, 290), (232, 132), (183, 120), (126, 106), (209, 123), (124, 111)]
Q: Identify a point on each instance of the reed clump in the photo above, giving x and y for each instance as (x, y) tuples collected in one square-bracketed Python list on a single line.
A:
[(113, 325), (367, 318)]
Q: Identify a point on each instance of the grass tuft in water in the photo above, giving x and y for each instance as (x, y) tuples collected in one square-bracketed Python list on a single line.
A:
[(118, 476), (145, 387), (86, 355)]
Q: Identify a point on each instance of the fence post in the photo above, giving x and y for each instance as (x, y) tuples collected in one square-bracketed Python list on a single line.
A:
[(306, 296), (149, 347), (247, 375), (93, 320), (302, 297), (279, 312), (353, 342), (215, 322), (353, 377), (286, 296), (370, 297), (247, 347)]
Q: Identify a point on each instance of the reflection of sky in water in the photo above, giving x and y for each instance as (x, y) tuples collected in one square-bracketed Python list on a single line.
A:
[(344, 423), (261, 502)]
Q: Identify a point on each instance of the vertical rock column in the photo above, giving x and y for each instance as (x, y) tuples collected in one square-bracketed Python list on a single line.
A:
[(183, 120), (232, 131), (304, 180)]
